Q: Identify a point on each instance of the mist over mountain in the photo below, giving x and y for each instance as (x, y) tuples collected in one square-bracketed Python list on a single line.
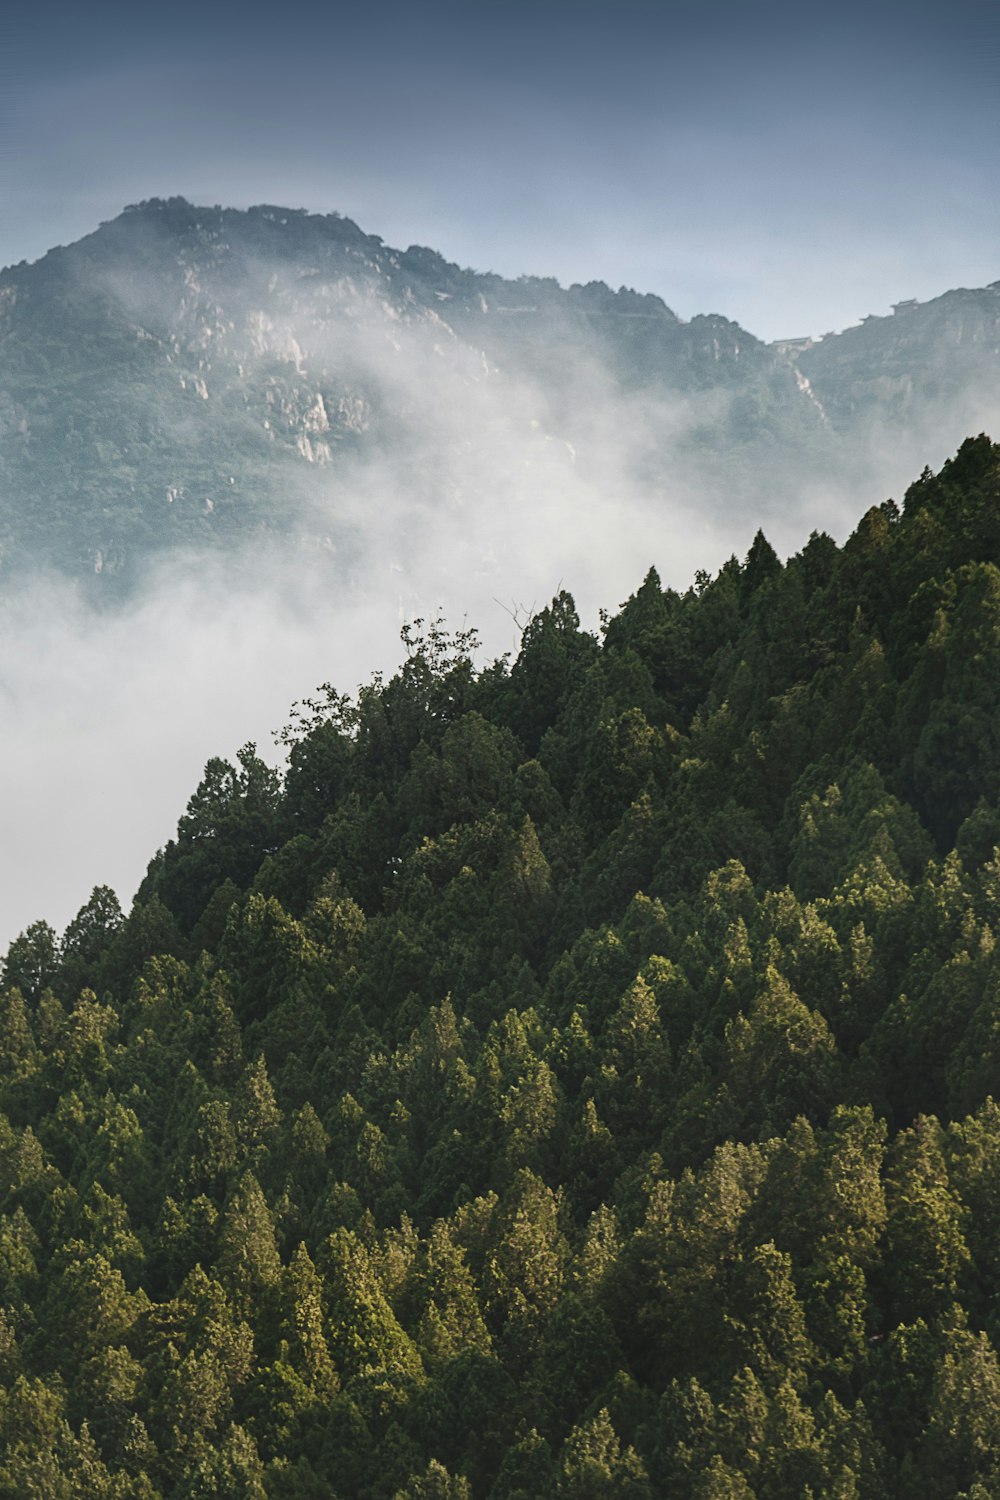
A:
[(262, 440), (192, 378)]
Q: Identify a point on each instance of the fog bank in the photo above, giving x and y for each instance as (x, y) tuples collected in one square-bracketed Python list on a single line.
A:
[(477, 493)]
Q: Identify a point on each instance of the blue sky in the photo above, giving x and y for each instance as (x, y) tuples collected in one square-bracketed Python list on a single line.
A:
[(793, 167)]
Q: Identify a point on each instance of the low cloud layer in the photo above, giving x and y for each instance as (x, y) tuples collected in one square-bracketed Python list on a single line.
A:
[(110, 717), (479, 500)]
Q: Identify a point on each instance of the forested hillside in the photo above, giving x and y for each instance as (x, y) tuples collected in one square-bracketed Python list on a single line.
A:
[(573, 1078)]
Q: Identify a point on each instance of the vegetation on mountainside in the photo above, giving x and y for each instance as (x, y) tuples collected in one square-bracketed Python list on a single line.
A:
[(572, 1078)]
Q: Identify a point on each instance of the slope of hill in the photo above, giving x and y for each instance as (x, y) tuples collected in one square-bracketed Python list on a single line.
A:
[(573, 1078), (191, 378)]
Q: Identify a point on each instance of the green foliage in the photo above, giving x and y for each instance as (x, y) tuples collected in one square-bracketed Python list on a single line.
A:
[(574, 1078)]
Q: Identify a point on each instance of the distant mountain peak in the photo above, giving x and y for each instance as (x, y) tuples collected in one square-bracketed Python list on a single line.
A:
[(176, 376)]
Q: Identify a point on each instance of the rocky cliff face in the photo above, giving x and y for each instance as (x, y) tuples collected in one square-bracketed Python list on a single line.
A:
[(917, 364), (191, 377)]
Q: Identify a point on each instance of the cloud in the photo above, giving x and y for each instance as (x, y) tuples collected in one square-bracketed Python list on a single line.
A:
[(110, 718), (465, 500), (470, 487)]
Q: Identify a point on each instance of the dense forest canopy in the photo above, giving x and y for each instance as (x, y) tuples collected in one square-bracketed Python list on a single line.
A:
[(573, 1077)]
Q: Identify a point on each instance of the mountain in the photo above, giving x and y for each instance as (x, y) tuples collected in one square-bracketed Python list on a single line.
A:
[(925, 366), (203, 378), (573, 1077)]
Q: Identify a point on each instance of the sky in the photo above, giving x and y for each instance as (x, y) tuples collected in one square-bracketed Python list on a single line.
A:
[(794, 167)]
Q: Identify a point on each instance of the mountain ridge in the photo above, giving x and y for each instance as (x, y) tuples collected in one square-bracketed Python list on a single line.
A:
[(190, 377)]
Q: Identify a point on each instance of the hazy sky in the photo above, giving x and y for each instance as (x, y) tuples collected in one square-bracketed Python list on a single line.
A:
[(794, 167)]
